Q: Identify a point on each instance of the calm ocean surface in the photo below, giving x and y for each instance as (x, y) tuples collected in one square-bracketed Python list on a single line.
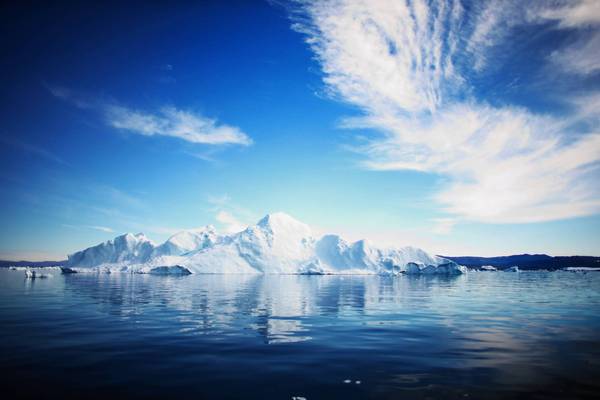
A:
[(483, 335)]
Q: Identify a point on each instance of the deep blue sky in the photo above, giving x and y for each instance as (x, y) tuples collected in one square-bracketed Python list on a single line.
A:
[(70, 177)]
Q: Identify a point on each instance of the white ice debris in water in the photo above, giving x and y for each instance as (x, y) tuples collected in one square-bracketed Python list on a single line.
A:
[(348, 381), (581, 269), (358, 382), (22, 268), (31, 274), (277, 244), (298, 398)]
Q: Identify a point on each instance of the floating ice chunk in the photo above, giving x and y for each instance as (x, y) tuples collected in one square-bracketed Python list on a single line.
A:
[(488, 268), (358, 382), (31, 274), (348, 381)]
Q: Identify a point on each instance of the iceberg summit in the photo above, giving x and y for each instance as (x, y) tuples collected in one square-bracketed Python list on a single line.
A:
[(277, 244)]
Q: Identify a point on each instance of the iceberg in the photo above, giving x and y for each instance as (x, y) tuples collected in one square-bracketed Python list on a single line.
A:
[(277, 244)]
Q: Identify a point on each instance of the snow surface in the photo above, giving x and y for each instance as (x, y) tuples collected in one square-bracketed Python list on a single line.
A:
[(186, 241), (277, 244)]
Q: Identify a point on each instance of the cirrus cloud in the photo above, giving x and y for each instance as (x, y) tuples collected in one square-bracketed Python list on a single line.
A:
[(170, 121), (409, 67)]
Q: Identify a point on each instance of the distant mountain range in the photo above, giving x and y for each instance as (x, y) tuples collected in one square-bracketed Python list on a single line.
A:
[(528, 261), (23, 263)]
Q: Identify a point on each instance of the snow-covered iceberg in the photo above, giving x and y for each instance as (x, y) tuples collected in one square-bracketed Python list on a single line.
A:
[(277, 244), (124, 249)]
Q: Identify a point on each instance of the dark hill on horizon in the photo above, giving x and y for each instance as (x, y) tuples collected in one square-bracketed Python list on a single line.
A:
[(23, 263), (528, 261)]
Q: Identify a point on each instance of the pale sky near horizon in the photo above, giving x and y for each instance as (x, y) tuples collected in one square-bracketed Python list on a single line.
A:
[(462, 127)]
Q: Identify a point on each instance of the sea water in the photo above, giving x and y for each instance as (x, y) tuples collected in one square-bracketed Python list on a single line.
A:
[(496, 335)]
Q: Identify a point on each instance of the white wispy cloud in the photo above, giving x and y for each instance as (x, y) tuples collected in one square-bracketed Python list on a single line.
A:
[(170, 121), (230, 217), (399, 63), (94, 227), (72, 97), (492, 19), (573, 13), (229, 222), (182, 124), (583, 57), (102, 228)]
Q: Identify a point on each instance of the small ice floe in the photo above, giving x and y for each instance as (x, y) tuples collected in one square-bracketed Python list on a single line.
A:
[(31, 274), (298, 398), (358, 382), (348, 381), (488, 268)]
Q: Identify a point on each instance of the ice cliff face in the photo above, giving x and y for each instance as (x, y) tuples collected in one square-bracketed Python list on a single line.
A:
[(128, 248), (277, 244)]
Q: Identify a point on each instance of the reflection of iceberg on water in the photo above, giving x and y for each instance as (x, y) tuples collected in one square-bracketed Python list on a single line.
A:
[(280, 330)]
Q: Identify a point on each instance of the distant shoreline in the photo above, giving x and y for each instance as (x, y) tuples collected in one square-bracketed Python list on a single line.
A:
[(525, 262), (528, 262)]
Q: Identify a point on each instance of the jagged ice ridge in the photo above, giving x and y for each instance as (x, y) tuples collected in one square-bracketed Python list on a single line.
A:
[(277, 244)]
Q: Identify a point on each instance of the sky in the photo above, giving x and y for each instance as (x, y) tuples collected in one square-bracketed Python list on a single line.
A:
[(462, 127)]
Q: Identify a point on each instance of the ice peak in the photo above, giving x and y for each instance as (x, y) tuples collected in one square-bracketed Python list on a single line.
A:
[(132, 238), (142, 237), (278, 218), (283, 223), (126, 237)]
